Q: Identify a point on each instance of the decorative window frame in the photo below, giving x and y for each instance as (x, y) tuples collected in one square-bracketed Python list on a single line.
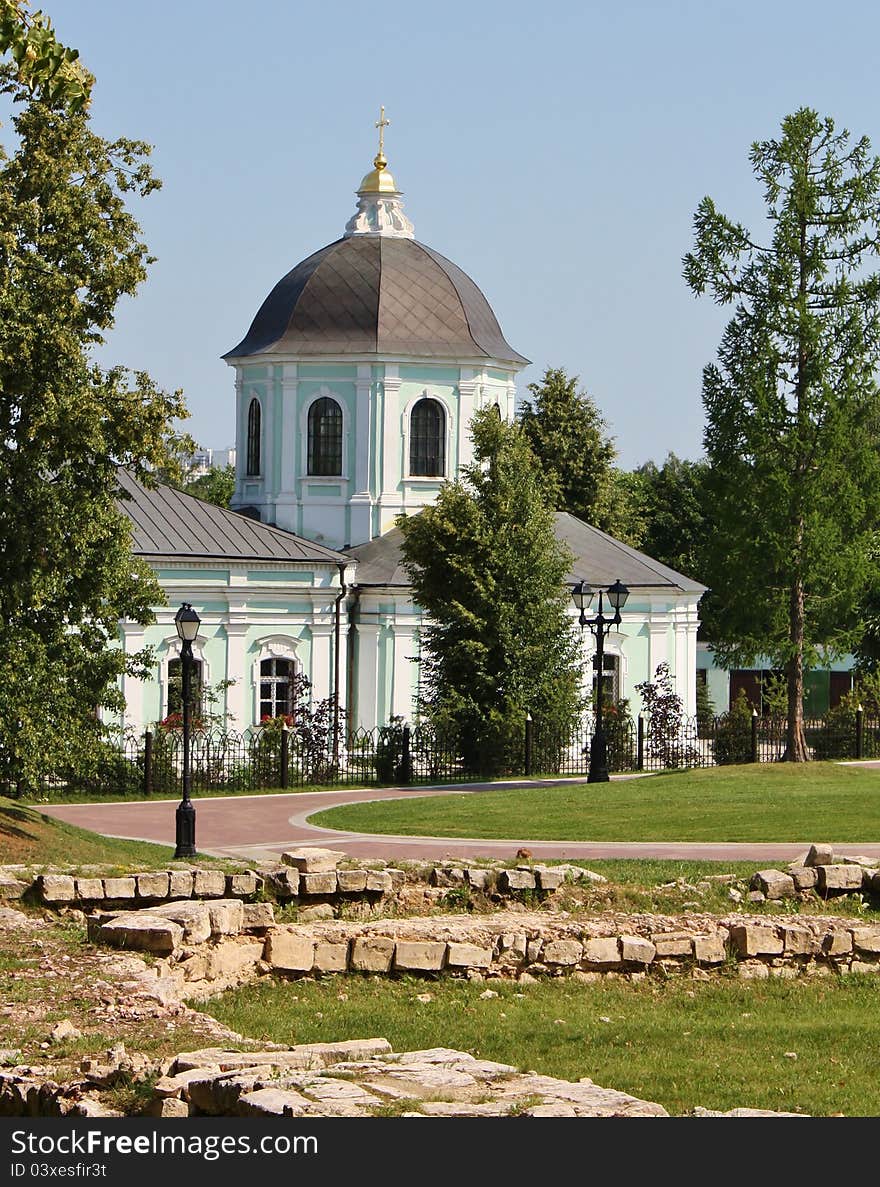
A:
[(323, 393), (405, 417), (252, 398), (171, 649), (613, 646), (271, 647)]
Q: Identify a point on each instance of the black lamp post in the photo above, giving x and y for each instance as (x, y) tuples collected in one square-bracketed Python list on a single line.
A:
[(600, 626), (187, 622)]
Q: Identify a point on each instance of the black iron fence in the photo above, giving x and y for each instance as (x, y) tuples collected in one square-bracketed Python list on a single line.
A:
[(271, 757)]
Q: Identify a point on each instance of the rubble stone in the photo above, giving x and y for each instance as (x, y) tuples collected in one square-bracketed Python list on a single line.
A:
[(311, 860)]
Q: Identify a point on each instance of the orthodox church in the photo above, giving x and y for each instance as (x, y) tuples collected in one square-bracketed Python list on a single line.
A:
[(354, 388)]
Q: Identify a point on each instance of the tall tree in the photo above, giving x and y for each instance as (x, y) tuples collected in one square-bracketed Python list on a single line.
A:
[(569, 438), (674, 509), (216, 486), (68, 250), (792, 411), (44, 67), (489, 573)]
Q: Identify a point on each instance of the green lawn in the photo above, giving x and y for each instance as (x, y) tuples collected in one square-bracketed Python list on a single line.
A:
[(768, 802), (806, 1046)]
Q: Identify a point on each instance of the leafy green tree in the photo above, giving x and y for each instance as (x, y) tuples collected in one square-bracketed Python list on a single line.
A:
[(568, 437), (43, 66), (674, 510), (490, 575), (69, 249), (217, 486), (792, 405)]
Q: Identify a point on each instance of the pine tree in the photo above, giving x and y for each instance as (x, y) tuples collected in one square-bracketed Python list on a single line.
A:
[(569, 438), (490, 575), (792, 411)]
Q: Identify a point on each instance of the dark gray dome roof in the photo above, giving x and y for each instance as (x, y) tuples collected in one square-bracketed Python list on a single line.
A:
[(376, 295)]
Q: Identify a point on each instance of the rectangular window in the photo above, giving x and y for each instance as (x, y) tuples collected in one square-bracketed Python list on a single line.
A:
[(175, 687)]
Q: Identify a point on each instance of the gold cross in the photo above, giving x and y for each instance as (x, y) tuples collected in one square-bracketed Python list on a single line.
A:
[(382, 124)]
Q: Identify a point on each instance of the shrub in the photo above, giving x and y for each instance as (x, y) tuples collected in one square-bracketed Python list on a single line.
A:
[(733, 732)]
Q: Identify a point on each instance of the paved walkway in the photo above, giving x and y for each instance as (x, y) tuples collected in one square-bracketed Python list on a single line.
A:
[(263, 826)]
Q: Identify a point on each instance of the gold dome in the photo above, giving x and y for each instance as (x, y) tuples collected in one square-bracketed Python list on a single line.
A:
[(379, 180)]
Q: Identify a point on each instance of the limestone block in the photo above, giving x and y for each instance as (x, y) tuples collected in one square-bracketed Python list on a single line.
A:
[(89, 889), (209, 883), (470, 956), (180, 883), (193, 918), (226, 915), (819, 855), (257, 916), (289, 950), (331, 957), (143, 933), (837, 942), (709, 949), (839, 879), (753, 970), (119, 888), (232, 957), (565, 952), (372, 954), (271, 1102), (241, 885), (171, 1086), (751, 939), (861, 966), (11, 887), (285, 882), (352, 881), (168, 1107), (509, 880), (866, 939), (379, 882), (309, 860), (773, 883), (805, 877), (314, 914), (637, 950), (673, 943), (323, 883), (513, 945), (549, 879), (599, 950), (57, 888), (533, 950), (874, 882), (153, 885), (798, 941), (478, 878), (419, 955), (398, 877), (447, 876)]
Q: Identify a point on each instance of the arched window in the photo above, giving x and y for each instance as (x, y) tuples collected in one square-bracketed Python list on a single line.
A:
[(253, 439), (325, 437), (276, 679), (427, 439)]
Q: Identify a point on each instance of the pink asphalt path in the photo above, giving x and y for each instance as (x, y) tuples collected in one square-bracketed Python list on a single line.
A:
[(263, 826)]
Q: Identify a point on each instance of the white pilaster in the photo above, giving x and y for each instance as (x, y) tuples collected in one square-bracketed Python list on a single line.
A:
[(239, 698), (321, 674), (367, 670), (402, 692)]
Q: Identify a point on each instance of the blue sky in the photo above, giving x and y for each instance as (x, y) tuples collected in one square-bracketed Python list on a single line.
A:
[(556, 152)]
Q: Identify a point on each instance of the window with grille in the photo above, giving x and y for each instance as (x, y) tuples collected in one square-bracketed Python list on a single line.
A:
[(325, 437), (610, 684), (276, 676), (175, 687), (427, 440), (253, 439)]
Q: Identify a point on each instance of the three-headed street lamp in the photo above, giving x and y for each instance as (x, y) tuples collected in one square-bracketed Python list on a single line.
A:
[(187, 622), (583, 595)]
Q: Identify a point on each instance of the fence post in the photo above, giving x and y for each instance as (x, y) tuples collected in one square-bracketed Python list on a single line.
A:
[(640, 744), (148, 762), (285, 754), (530, 725), (406, 757), (754, 755), (860, 734)]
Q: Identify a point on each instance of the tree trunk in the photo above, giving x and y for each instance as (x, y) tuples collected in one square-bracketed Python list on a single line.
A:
[(795, 742)]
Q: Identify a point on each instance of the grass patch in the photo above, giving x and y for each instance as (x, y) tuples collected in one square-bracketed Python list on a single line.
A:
[(784, 802), (719, 1044), (29, 838)]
